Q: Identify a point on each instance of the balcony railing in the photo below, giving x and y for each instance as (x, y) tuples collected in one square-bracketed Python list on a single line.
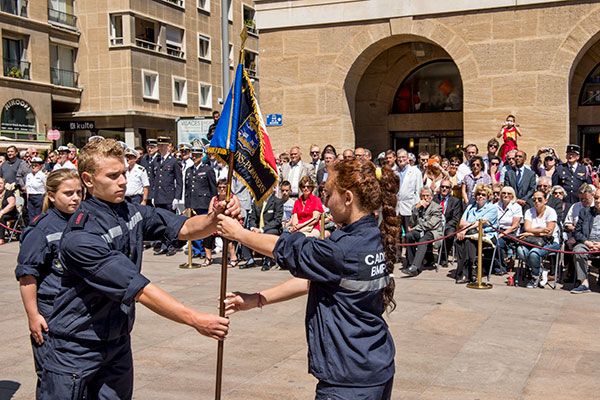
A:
[(61, 17), (146, 44), (117, 41), (178, 3), (22, 135), (250, 24), (14, 7), (16, 68), (175, 51), (63, 77)]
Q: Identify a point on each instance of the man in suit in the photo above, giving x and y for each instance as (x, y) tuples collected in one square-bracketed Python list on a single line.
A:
[(315, 157), (200, 187), (522, 180), (452, 209), (151, 152), (425, 224), (295, 170), (322, 173), (571, 175), (411, 182), (166, 185), (267, 218)]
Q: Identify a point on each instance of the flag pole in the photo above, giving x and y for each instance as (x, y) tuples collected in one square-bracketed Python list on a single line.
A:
[(225, 251)]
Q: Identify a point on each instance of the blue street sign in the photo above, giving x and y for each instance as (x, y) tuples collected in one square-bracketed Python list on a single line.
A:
[(274, 120)]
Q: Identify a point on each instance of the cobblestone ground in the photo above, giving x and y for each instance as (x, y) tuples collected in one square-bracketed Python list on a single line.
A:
[(452, 342)]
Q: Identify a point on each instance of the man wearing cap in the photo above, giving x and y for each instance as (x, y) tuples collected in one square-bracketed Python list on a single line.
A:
[(63, 159), (166, 185), (200, 186), (152, 150), (571, 174), (185, 162), (35, 187), (138, 184)]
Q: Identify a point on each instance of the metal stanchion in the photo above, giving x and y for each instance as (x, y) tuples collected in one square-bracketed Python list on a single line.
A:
[(322, 230), (479, 284), (189, 264)]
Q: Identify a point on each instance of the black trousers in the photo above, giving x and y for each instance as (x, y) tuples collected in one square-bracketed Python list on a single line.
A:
[(466, 256), (167, 244), (34, 205), (416, 254), (448, 243)]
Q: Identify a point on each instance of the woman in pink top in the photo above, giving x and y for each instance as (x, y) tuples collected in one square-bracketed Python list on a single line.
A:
[(307, 210)]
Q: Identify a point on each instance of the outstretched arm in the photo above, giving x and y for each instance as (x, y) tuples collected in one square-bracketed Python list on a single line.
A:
[(169, 307), (201, 226), (260, 242), (288, 290)]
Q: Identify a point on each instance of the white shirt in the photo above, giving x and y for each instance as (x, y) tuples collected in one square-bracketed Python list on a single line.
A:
[(186, 164), (137, 180), (35, 183), (506, 215), (542, 220), (573, 213), (68, 164), (294, 177)]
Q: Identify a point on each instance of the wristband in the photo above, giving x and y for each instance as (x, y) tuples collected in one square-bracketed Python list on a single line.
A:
[(259, 302)]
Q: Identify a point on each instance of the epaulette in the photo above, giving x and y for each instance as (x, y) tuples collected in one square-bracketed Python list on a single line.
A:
[(78, 219), (140, 167), (37, 219)]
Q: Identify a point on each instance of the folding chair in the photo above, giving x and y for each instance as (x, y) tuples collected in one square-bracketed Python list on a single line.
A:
[(19, 223)]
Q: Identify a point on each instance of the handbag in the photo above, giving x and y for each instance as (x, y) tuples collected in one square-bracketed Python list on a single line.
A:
[(540, 241)]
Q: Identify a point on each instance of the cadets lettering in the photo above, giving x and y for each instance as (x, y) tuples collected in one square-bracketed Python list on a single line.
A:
[(377, 270), (372, 259)]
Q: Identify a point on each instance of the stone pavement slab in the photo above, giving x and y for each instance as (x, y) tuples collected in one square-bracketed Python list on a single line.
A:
[(452, 342)]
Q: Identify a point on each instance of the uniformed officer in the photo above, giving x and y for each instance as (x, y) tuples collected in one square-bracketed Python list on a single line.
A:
[(151, 153), (351, 351), (200, 187), (35, 187), (63, 159), (185, 162), (101, 252), (38, 269), (138, 184), (166, 186), (571, 175)]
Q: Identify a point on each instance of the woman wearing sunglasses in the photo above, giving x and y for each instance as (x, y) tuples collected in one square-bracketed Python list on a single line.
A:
[(510, 215), (307, 210), (541, 229)]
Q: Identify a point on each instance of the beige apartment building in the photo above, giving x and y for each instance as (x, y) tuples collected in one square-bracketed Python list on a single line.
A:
[(431, 75), (121, 68)]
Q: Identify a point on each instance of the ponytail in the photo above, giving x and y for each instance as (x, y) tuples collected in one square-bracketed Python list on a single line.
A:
[(53, 181)]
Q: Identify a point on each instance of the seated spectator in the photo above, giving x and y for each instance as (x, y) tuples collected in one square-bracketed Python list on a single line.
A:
[(510, 215), (452, 210), (307, 210), (476, 177), (540, 229), (425, 224), (266, 219), (494, 169), (288, 204), (545, 185), (8, 210), (586, 199), (496, 189), (587, 235), (560, 193), (466, 240), (434, 174)]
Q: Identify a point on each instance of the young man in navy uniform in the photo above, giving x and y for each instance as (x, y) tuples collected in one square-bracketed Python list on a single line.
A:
[(101, 253), (166, 186), (571, 175), (200, 187)]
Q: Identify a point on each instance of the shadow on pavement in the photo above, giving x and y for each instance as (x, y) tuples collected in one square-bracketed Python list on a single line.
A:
[(8, 389)]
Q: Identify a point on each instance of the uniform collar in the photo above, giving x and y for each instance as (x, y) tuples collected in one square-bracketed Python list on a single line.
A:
[(59, 214), (366, 221), (105, 205)]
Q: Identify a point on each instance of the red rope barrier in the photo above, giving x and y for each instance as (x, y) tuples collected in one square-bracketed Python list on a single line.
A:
[(10, 229), (435, 240), (523, 242)]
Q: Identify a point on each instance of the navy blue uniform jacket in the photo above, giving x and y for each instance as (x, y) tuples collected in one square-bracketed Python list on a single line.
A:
[(38, 257), (348, 340), (200, 186), (101, 252), (166, 181)]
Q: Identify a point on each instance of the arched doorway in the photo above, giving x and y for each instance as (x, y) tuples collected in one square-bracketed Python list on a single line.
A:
[(584, 96), (410, 95)]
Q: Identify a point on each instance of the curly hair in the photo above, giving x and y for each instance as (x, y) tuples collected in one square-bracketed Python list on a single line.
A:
[(359, 177)]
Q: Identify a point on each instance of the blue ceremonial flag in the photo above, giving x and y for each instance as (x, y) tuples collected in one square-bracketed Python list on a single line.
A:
[(241, 130)]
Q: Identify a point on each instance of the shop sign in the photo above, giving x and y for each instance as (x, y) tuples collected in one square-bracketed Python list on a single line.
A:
[(76, 125), (18, 115)]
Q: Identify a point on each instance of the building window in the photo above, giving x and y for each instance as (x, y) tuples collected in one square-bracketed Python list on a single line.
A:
[(231, 61), (204, 47), (204, 5), (15, 58), (433, 87), (146, 34), (62, 66), (251, 62), (205, 95), (179, 90), (62, 12), (116, 30), (249, 21), (229, 11), (15, 7), (590, 92), (175, 42), (178, 3), (150, 84)]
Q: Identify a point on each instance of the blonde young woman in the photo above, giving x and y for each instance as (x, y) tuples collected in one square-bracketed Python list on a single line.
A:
[(510, 215)]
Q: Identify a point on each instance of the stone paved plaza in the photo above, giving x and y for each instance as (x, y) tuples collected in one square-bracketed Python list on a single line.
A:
[(452, 342)]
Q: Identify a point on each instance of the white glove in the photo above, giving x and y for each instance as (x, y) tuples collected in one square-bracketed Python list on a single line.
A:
[(175, 203)]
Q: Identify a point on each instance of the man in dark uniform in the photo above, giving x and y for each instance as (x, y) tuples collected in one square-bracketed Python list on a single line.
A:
[(166, 185), (152, 151), (101, 253), (200, 187), (267, 218), (571, 175)]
